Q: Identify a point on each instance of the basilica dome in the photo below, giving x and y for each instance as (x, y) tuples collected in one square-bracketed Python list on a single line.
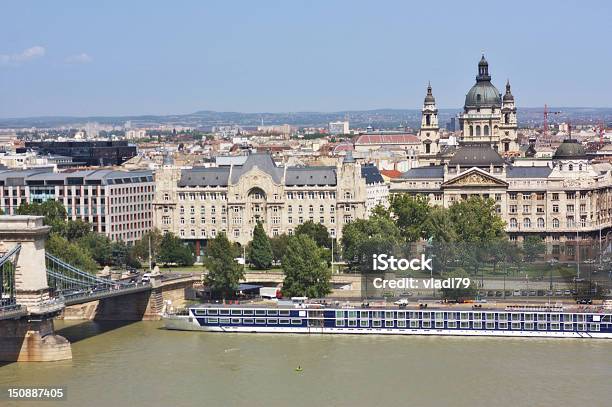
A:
[(483, 93)]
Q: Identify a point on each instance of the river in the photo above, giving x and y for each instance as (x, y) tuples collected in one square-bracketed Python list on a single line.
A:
[(141, 364)]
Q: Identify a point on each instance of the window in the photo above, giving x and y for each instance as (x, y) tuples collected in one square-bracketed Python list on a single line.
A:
[(555, 223), (540, 222), (527, 222), (513, 223)]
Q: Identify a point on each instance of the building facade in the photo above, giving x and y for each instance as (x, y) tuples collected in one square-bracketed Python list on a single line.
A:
[(196, 204), (564, 201), (118, 204)]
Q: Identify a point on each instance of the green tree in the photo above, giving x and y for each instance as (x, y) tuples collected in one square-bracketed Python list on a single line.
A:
[(363, 238), (260, 250), (475, 220), (411, 214), (53, 211), (224, 272), (533, 247), (316, 231), (173, 251), (71, 253), (279, 246), (140, 250), (75, 229), (99, 246), (306, 272), (460, 292)]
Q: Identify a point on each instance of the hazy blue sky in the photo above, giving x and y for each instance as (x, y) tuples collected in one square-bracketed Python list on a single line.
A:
[(139, 57)]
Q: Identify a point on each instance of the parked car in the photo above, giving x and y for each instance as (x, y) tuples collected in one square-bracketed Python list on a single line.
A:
[(585, 301)]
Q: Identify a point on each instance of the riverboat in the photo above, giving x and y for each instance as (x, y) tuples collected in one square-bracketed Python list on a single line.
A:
[(508, 321)]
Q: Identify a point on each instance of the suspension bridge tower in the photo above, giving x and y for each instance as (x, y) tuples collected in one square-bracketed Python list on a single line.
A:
[(26, 307)]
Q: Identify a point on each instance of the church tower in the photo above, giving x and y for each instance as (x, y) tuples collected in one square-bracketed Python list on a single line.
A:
[(508, 125), (429, 134)]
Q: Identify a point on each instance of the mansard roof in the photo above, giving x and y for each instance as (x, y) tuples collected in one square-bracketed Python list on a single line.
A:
[(528, 172), (476, 155), (263, 161), (213, 177), (301, 176), (371, 174), (432, 171)]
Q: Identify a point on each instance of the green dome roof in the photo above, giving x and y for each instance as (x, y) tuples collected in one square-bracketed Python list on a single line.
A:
[(483, 93), (569, 149)]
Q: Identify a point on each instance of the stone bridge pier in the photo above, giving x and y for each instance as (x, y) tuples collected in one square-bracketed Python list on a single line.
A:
[(32, 337)]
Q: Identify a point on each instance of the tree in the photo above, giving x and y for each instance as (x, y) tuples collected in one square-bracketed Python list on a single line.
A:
[(53, 211), (363, 238), (173, 251), (260, 250), (475, 220), (224, 272), (99, 246), (75, 229), (140, 250), (410, 214), (279, 246), (306, 272), (533, 247), (316, 231), (71, 253), (459, 292)]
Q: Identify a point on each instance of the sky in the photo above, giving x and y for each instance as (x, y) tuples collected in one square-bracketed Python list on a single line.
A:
[(157, 57)]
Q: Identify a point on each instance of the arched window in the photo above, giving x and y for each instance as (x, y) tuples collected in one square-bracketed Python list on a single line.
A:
[(478, 97), (580, 167), (555, 222), (507, 118), (513, 223), (540, 222), (486, 130), (477, 130), (427, 148), (527, 223), (471, 130), (571, 167), (428, 120)]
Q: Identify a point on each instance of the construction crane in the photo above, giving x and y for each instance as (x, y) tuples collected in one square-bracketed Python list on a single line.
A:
[(545, 139)]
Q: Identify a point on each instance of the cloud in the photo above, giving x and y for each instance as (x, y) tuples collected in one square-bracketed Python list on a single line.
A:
[(81, 58), (27, 54)]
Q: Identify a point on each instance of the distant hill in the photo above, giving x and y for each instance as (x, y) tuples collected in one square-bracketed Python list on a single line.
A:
[(379, 118)]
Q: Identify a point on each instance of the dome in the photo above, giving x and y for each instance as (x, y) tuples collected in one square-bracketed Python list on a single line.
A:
[(570, 149), (483, 93), (429, 98), (508, 96)]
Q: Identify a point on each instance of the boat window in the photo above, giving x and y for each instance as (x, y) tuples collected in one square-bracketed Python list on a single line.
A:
[(426, 315), (272, 312), (542, 326), (528, 317), (516, 317), (516, 325), (260, 312), (594, 327), (352, 322), (477, 315), (477, 324), (213, 312), (451, 315), (377, 314), (376, 324), (389, 314), (199, 311), (352, 314), (490, 325), (490, 316), (235, 320), (414, 324), (439, 315), (568, 318), (452, 324), (414, 315), (247, 321), (555, 326), (502, 316), (439, 324), (272, 321), (247, 312), (580, 318), (364, 323), (224, 320), (284, 313), (340, 322), (581, 327), (464, 316), (541, 317), (502, 325), (465, 325), (555, 317), (339, 314), (296, 322), (401, 314), (283, 321), (213, 320), (236, 312), (260, 321), (568, 326), (529, 326), (426, 324), (224, 312), (389, 323), (363, 314), (401, 323)]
